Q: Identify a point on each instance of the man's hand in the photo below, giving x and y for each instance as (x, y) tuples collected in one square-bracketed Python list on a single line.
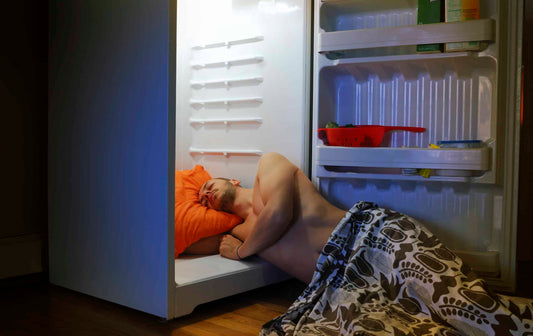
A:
[(228, 247)]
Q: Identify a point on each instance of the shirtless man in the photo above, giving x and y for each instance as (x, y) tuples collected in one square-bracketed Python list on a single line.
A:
[(286, 221), (383, 271)]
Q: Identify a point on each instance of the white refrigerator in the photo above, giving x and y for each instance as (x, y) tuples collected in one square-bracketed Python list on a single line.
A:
[(257, 76), (243, 90)]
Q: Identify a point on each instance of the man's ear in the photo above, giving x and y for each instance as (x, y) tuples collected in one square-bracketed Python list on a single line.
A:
[(235, 182)]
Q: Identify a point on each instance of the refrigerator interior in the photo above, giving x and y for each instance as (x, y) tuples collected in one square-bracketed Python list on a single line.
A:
[(242, 90), (367, 72)]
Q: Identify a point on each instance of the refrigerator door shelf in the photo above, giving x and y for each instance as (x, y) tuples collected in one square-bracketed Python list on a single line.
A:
[(339, 15), (474, 30), (335, 173), (447, 163), (411, 65)]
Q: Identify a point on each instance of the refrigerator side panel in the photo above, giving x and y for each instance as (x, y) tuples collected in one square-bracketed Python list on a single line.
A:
[(108, 151)]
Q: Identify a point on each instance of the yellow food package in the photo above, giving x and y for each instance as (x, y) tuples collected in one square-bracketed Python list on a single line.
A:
[(462, 10)]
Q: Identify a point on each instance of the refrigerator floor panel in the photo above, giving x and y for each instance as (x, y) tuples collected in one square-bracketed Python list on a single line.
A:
[(202, 279), (194, 268)]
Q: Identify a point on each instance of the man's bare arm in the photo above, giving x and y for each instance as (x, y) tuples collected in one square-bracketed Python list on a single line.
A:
[(207, 245), (276, 182), (242, 231)]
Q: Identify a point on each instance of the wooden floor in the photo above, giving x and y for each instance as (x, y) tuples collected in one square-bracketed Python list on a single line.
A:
[(30, 306)]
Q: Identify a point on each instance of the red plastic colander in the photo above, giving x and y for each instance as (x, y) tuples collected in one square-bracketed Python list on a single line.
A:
[(360, 136)]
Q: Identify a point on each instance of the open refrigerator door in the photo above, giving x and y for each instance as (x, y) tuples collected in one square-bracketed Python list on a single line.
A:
[(459, 177)]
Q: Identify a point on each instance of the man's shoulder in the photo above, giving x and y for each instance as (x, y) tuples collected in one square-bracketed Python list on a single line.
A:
[(275, 158), (272, 156), (275, 164)]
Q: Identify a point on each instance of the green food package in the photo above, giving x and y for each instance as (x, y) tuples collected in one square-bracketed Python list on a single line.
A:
[(429, 11)]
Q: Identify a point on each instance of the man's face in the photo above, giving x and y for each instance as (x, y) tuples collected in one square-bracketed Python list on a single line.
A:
[(217, 194)]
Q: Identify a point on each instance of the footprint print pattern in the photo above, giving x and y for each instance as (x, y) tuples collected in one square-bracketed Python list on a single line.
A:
[(383, 273)]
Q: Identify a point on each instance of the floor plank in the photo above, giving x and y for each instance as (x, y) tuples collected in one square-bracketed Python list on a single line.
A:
[(259, 311)]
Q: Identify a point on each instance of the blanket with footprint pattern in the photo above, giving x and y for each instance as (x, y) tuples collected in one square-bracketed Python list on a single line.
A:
[(384, 273)]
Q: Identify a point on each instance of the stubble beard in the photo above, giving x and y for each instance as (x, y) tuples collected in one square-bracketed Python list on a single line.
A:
[(227, 199)]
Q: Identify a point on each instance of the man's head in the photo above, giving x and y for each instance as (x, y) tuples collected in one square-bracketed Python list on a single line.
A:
[(218, 193)]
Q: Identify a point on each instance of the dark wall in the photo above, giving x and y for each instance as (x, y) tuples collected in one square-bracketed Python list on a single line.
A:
[(23, 106)]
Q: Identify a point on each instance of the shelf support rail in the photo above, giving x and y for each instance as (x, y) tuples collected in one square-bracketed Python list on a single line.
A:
[(229, 43), (225, 152)]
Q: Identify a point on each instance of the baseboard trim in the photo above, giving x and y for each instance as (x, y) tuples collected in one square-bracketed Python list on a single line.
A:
[(20, 255)]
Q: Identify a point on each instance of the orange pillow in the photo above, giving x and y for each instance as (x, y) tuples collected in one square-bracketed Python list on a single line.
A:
[(194, 221)]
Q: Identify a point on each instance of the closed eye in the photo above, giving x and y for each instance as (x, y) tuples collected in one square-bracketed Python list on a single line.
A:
[(200, 193), (205, 188)]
